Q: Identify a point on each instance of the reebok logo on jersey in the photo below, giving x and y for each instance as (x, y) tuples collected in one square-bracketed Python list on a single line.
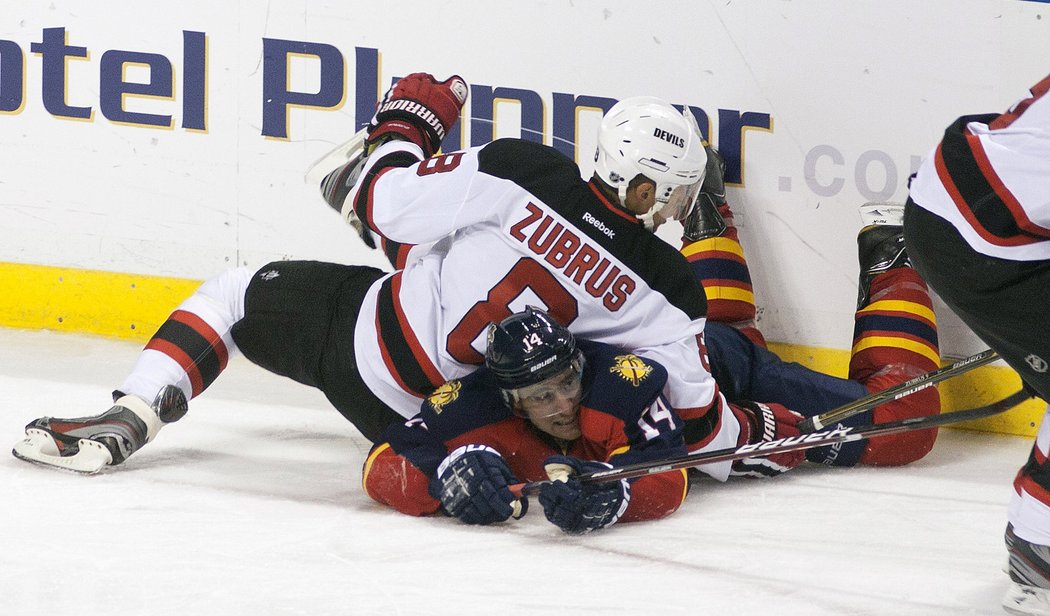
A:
[(671, 138), (269, 275), (599, 225)]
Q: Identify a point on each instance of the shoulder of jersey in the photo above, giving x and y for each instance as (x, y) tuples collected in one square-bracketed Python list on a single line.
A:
[(460, 405), (518, 160), (621, 382)]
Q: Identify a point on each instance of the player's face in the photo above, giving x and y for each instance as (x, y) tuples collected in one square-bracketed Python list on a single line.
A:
[(553, 405)]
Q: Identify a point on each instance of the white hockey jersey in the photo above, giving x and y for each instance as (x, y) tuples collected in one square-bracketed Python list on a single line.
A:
[(990, 178), (511, 224)]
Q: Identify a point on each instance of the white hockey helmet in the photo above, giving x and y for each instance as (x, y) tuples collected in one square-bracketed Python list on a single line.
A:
[(646, 135)]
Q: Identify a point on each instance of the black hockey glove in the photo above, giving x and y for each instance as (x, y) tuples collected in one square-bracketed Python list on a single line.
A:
[(579, 508), (471, 484)]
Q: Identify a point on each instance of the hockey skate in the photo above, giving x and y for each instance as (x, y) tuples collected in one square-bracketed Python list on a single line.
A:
[(336, 173), (1029, 569), (705, 220), (880, 244), (87, 444)]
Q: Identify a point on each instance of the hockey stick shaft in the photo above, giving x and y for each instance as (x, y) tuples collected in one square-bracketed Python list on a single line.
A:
[(785, 445), (897, 392)]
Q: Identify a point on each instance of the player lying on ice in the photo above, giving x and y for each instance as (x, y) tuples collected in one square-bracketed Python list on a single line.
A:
[(476, 229), (547, 404), (584, 247), (504, 423), (894, 335)]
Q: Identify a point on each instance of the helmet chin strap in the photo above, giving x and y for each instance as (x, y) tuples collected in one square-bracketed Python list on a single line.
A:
[(621, 193), (646, 218)]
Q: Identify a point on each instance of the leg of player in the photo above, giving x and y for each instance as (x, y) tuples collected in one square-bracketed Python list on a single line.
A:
[(1000, 300), (182, 359), (895, 334), (1027, 541), (711, 244), (87, 444)]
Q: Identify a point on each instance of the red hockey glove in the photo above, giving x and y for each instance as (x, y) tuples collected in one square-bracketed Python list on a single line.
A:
[(766, 422), (419, 109)]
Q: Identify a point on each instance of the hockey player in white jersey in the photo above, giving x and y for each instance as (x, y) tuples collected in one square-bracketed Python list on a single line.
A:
[(977, 225), (481, 233)]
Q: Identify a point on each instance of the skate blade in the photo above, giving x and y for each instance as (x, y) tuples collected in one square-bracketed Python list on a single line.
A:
[(882, 213), (1026, 600), (38, 447), (352, 149)]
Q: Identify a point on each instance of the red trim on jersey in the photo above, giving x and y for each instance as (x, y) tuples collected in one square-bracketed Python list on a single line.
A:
[(701, 416), (1037, 91), (389, 362), (1004, 194), (1040, 457), (619, 211), (180, 357), (400, 256), (967, 213), (371, 198), (428, 367)]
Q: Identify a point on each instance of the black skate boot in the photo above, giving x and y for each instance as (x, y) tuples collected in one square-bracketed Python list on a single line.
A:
[(1029, 569), (86, 444), (880, 244), (336, 173), (705, 221)]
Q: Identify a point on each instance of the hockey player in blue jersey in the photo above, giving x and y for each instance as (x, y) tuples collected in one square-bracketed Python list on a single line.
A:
[(545, 399)]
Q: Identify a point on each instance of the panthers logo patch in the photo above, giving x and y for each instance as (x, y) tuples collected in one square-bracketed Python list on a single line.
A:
[(444, 395), (631, 368)]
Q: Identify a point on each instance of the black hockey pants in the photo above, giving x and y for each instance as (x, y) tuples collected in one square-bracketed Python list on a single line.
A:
[(1006, 303), (299, 322)]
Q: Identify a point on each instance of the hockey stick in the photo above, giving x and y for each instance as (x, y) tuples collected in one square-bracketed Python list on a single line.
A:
[(785, 445), (897, 392)]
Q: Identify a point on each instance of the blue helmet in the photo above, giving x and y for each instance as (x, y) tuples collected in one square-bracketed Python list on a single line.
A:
[(529, 347)]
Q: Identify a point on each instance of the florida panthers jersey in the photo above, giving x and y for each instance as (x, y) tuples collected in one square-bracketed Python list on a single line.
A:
[(624, 419), (990, 178), (511, 224)]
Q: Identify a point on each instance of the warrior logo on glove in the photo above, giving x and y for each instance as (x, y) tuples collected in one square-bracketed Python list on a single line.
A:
[(420, 109)]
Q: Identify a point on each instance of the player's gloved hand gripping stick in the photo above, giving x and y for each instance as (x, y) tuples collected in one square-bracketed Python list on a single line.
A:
[(784, 445)]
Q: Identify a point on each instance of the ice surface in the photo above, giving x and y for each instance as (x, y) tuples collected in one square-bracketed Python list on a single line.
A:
[(252, 504)]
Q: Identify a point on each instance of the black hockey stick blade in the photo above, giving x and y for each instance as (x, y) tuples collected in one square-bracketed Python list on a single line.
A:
[(794, 443), (897, 392)]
